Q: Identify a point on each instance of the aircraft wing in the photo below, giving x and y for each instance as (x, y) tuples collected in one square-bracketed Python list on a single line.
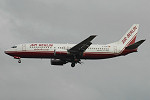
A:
[(82, 46)]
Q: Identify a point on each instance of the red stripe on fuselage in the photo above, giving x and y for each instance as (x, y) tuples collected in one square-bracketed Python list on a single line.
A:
[(86, 55), (50, 54)]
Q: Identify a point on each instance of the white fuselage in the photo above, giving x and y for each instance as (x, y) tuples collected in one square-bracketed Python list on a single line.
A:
[(50, 50)]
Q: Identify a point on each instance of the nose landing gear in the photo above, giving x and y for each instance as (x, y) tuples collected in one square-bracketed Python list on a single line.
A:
[(19, 61)]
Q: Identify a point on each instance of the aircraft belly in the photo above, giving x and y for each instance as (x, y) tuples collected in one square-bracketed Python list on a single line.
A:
[(97, 55), (51, 54), (31, 54)]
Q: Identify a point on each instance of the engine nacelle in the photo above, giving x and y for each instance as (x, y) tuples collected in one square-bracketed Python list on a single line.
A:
[(60, 52), (57, 62)]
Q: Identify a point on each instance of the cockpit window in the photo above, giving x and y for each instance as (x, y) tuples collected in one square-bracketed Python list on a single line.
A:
[(14, 47)]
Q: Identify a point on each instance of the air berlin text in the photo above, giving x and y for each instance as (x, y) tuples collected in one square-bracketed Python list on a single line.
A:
[(42, 45), (129, 35)]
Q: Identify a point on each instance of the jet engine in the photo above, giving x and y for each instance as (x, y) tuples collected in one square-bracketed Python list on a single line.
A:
[(57, 62)]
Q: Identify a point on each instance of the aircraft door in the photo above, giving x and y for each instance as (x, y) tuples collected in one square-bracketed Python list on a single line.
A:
[(115, 49), (54, 52), (67, 47), (23, 47)]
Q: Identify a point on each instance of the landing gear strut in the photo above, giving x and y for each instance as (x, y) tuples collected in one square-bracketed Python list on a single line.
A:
[(72, 64), (19, 61)]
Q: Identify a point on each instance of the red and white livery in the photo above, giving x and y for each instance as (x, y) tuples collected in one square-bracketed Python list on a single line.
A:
[(61, 54)]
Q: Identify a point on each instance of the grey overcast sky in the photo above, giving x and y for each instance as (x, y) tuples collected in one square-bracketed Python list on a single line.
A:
[(71, 21)]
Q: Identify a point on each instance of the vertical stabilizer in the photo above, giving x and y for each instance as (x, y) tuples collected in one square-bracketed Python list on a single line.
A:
[(130, 36)]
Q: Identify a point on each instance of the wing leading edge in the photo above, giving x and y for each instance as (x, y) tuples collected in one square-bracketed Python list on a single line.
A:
[(82, 46)]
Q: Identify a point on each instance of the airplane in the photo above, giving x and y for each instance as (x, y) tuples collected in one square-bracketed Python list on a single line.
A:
[(61, 54)]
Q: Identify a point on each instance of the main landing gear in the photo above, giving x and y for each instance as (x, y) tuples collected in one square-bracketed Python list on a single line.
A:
[(75, 61), (73, 64)]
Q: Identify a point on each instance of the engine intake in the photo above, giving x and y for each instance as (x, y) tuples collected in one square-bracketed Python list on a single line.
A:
[(57, 62)]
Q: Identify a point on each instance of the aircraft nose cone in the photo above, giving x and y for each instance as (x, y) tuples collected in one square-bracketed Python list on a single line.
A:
[(6, 52), (9, 52)]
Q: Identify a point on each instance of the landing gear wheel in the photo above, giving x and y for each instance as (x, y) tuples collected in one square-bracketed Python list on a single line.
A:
[(73, 65), (19, 61)]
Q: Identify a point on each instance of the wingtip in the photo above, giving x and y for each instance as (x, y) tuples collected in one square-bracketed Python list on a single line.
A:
[(143, 40), (93, 35)]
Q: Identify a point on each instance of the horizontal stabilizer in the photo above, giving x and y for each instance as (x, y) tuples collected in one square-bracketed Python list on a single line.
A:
[(135, 45)]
